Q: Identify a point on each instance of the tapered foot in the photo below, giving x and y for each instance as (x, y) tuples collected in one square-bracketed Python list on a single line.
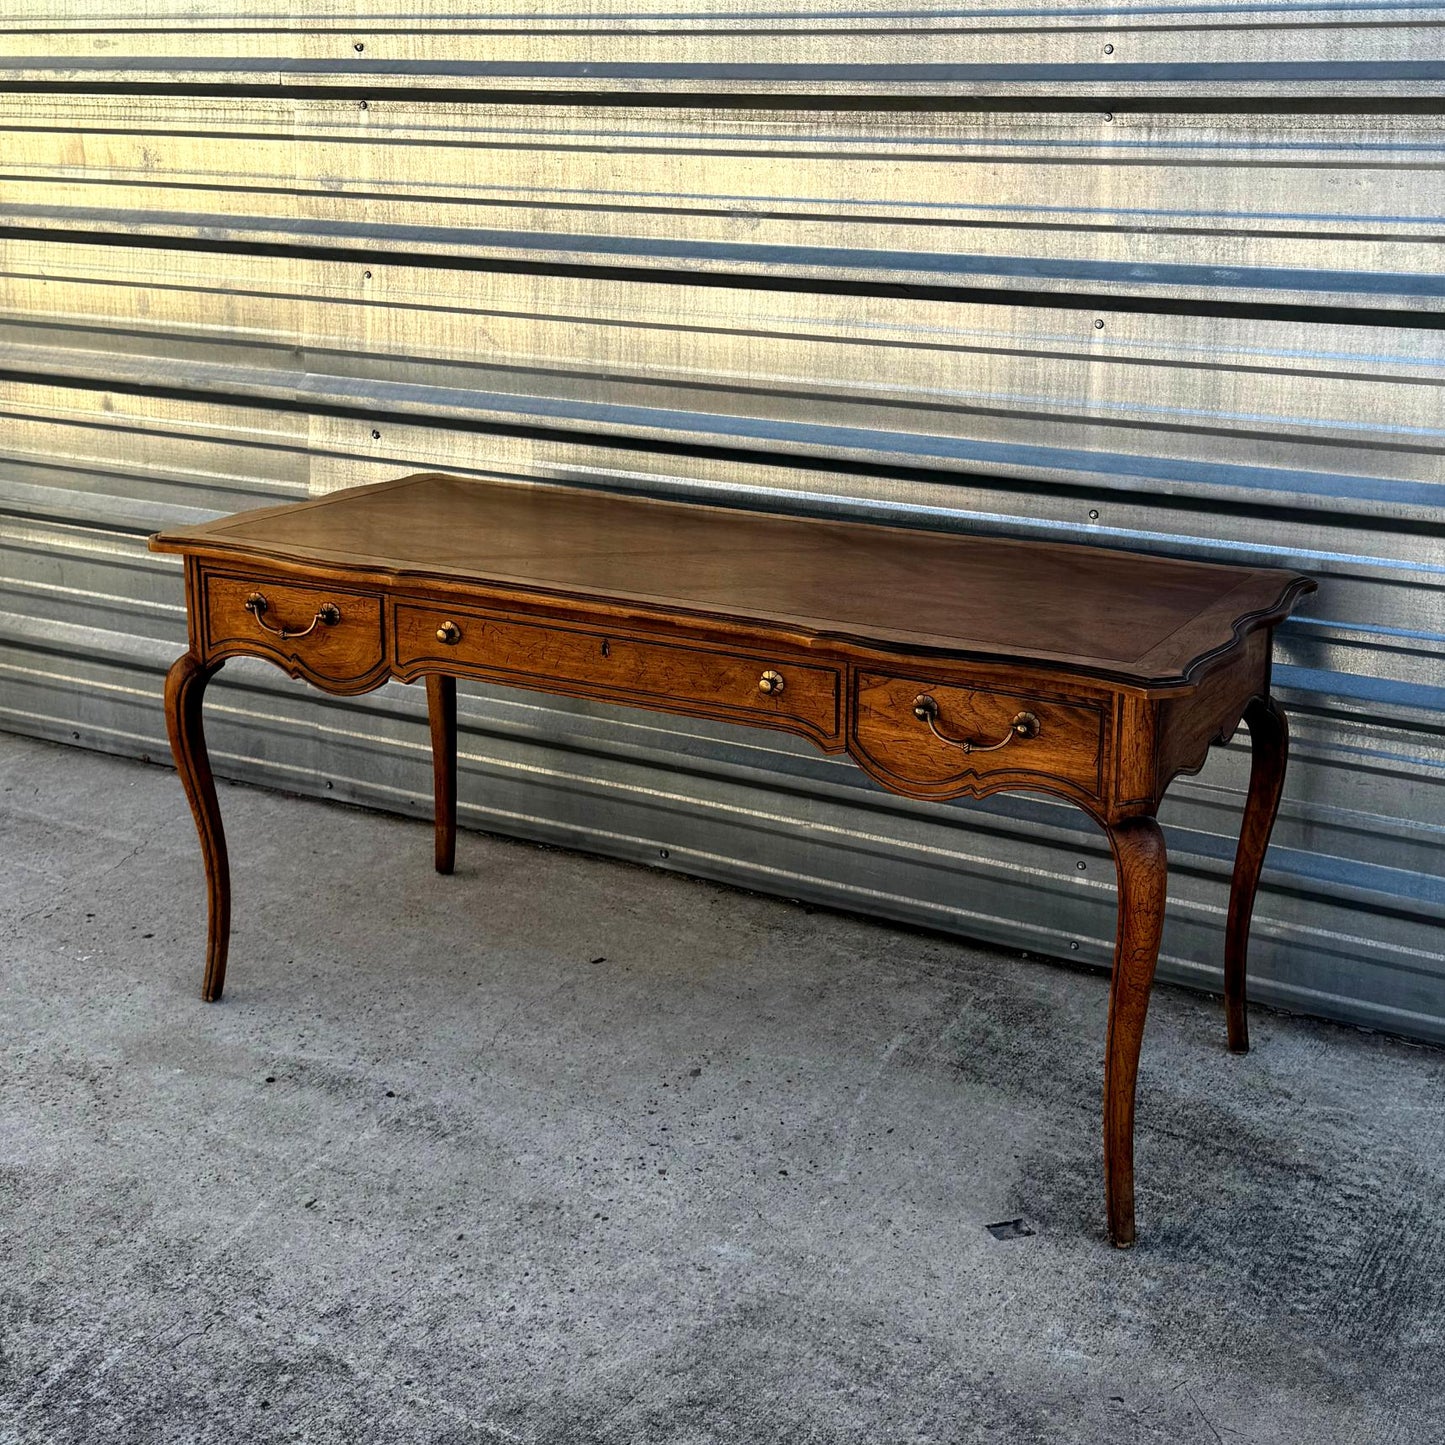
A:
[(185, 687), (441, 702), (1142, 866), (1269, 743)]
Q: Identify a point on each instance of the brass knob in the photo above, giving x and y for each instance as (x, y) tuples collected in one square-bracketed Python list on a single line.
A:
[(771, 683), (449, 633)]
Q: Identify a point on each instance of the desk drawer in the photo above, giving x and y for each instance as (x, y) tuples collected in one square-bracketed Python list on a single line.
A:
[(332, 637), (1039, 736), (757, 689)]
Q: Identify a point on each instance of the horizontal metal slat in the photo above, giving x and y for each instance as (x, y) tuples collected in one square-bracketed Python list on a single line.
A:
[(1245, 407), (463, 406), (1334, 50), (1245, 210)]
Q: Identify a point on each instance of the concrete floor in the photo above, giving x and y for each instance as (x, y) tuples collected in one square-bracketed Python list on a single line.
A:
[(562, 1150)]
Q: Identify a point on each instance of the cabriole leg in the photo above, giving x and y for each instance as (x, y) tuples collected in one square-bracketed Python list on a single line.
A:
[(185, 687), (1269, 746), (441, 702), (1142, 866)]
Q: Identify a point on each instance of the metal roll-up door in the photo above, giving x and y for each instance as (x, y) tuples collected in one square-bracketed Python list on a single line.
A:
[(1162, 277)]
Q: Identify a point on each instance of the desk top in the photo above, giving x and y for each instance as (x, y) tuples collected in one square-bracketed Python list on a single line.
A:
[(1143, 620)]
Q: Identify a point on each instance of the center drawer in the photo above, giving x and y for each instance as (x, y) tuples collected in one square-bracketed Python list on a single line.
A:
[(758, 689)]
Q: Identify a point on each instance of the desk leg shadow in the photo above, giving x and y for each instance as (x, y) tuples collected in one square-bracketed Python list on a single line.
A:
[(185, 688)]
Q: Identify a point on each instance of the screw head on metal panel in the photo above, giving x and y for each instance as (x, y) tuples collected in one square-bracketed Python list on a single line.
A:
[(358, 47), (376, 435), (1108, 50), (1098, 326), (1093, 515)]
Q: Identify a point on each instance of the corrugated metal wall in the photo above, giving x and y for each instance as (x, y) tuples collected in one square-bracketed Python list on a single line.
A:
[(1161, 275)]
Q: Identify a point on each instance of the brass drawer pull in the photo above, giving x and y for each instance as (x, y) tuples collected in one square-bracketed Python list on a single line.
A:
[(771, 683), (327, 613), (1025, 725), (449, 633)]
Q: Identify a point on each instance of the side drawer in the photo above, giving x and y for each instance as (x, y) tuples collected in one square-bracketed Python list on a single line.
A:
[(1042, 737), (333, 637), (766, 691)]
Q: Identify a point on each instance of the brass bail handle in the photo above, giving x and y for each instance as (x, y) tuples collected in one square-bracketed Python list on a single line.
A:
[(328, 613), (1025, 725)]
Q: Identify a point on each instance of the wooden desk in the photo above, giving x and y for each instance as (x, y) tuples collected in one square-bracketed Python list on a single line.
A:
[(944, 665)]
